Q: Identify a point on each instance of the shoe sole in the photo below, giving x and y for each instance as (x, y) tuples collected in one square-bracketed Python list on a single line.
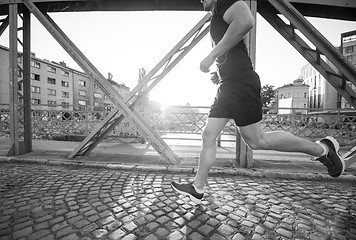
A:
[(194, 199), (337, 148)]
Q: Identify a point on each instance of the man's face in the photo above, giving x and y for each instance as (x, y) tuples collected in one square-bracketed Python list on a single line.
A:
[(208, 4)]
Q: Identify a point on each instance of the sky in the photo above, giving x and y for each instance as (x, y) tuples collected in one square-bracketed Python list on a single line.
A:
[(123, 42)]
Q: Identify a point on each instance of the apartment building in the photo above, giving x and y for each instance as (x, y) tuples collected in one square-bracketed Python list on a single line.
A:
[(294, 95), (56, 86)]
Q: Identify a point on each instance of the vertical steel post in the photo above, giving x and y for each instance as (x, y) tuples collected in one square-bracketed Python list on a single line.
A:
[(13, 73), (244, 154), (251, 36), (26, 66)]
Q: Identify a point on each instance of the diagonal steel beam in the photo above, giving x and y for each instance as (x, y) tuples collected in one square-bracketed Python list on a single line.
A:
[(158, 144), (270, 10), (350, 157), (153, 77), (322, 44), (4, 23)]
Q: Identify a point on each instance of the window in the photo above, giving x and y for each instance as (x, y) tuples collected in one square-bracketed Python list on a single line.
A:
[(65, 73), (65, 84), (65, 104), (51, 69), (51, 103), (19, 59), (349, 49), (19, 86), (35, 77), (35, 101), (108, 107), (305, 95), (82, 103), (349, 58), (98, 95), (35, 64), (51, 92), (65, 94), (35, 89), (82, 83), (51, 80), (19, 73), (314, 82), (96, 86), (82, 93)]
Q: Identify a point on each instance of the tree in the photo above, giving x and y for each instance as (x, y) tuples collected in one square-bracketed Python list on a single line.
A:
[(267, 95)]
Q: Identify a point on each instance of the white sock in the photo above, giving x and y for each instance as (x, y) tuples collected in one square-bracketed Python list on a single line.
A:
[(325, 148), (200, 191)]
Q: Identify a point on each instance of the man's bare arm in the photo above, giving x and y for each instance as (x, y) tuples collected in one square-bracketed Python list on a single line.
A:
[(241, 21)]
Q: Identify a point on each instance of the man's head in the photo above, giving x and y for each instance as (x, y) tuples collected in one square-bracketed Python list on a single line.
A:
[(208, 5)]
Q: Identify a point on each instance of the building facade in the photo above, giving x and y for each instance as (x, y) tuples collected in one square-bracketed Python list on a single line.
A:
[(56, 86), (322, 95), (348, 48), (294, 95)]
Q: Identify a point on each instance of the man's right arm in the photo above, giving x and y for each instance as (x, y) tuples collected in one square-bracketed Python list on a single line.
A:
[(241, 21)]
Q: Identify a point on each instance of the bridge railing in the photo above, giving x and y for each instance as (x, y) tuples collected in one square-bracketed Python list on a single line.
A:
[(184, 123)]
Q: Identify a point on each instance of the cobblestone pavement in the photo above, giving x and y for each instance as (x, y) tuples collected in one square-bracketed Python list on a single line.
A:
[(68, 202)]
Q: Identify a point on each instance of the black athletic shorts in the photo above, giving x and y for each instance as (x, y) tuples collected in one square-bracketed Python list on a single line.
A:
[(239, 98)]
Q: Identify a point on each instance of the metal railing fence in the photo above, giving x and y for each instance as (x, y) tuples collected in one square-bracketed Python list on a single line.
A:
[(184, 122)]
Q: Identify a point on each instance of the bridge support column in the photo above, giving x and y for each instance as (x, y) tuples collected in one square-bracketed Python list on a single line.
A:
[(244, 155)]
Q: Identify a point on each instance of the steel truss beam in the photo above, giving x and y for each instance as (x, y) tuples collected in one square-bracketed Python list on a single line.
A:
[(20, 142), (269, 9), (126, 111), (152, 78), (4, 23), (26, 79), (347, 72), (350, 157), (337, 9), (14, 102)]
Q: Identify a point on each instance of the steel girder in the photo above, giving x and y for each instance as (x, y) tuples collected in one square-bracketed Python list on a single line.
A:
[(4, 24), (337, 9), (20, 141), (347, 72), (268, 9), (350, 157), (13, 72), (130, 114), (152, 78)]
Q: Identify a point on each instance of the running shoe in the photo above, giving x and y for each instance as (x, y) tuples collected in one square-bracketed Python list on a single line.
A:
[(187, 189), (332, 160)]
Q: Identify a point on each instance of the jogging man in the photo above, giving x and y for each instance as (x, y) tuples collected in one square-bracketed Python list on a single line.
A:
[(238, 98)]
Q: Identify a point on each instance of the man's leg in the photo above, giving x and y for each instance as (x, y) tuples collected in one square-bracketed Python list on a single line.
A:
[(256, 139), (213, 128), (326, 150), (195, 190)]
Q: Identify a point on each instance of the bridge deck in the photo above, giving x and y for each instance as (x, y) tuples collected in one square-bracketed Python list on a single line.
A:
[(335, 9)]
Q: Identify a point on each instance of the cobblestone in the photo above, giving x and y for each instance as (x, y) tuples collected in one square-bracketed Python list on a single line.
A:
[(69, 202)]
